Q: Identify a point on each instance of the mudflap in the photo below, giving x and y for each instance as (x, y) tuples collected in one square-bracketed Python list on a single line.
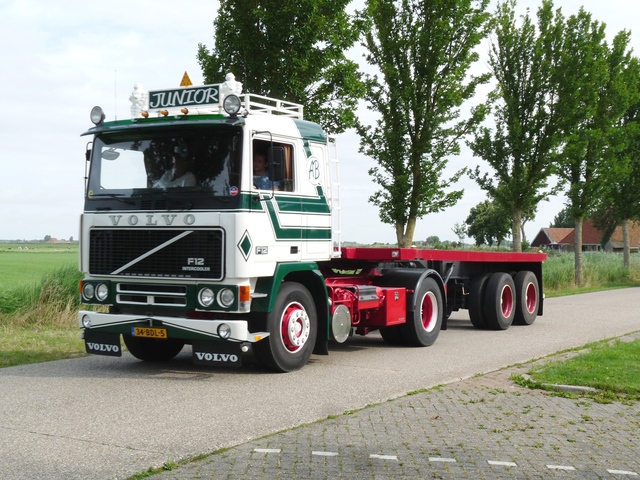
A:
[(217, 354), (101, 343)]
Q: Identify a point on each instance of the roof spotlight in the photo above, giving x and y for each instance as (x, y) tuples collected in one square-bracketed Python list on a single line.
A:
[(97, 116)]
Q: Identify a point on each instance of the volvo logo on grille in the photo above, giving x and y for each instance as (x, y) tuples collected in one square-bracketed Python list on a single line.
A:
[(150, 220)]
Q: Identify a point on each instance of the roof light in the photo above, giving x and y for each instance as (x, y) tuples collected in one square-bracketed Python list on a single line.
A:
[(184, 110), (232, 104), (97, 116), (164, 113), (144, 113)]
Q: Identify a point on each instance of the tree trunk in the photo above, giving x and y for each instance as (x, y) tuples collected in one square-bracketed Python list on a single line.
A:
[(516, 229), (405, 237), (578, 251), (626, 249)]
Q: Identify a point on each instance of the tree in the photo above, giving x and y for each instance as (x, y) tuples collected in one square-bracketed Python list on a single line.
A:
[(423, 51), (593, 96), (47, 238), (292, 50), (460, 231), (520, 148), (620, 203), (488, 222), (562, 220)]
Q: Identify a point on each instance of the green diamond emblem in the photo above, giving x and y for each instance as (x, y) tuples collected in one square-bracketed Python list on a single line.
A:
[(245, 245)]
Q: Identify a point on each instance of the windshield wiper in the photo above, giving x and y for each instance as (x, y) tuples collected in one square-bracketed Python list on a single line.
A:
[(116, 196)]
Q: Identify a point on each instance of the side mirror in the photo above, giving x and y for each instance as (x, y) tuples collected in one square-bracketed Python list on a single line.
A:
[(275, 156)]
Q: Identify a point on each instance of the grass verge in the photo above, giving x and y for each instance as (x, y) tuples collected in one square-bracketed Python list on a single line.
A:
[(38, 320), (611, 367)]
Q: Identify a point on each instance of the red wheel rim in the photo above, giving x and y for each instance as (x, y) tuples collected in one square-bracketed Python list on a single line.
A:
[(429, 312), (295, 327), (506, 301), (531, 298)]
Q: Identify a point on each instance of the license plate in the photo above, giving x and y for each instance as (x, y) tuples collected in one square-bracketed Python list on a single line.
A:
[(149, 332)]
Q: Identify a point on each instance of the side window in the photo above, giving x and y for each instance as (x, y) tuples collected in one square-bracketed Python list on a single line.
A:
[(261, 177), (287, 171)]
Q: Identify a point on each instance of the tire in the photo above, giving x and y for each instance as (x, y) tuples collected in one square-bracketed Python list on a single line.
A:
[(424, 323), (151, 349), (500, 301), (476, 301), (392, 335), (292, 327), (528, 298)]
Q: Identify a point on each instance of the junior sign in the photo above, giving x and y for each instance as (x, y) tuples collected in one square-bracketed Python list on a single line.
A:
[(185, 97)]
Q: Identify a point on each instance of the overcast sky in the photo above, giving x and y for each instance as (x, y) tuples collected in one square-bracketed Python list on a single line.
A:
[(59, 59)]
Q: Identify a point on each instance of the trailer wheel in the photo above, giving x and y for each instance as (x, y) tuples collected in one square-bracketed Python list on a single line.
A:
[(528, 298), (292, 326), (151, 349), (500, 301), (476, 301), (423, 324)]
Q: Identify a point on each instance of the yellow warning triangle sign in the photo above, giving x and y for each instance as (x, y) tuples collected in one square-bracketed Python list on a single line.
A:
[(186, 81)]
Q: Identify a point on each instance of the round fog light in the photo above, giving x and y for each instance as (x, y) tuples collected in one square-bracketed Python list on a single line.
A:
[(102, 292), (231, 104), (206, 297), (86, 321), (226, 297), (87, 291), (224, 331)]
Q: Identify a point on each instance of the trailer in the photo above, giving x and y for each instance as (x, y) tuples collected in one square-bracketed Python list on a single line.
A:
[(211, 219)]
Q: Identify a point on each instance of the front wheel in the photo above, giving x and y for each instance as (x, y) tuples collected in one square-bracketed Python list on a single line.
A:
[(423, 325), (292, 327), (151, 349)]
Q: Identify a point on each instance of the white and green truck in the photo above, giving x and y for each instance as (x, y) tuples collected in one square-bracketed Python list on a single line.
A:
[(186, 239)]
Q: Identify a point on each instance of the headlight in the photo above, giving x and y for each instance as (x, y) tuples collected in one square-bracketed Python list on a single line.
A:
[(231, 104), (97, 115), (224, 331), (88, 291), (206, 297), (102, 292), (226, 297)]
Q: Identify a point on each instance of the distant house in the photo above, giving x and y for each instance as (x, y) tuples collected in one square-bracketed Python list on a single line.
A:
[(564, 238), (552, 238), (616, 242)]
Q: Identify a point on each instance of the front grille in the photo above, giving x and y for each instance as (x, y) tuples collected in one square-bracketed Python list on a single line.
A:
[(157, 253), (150, 294)]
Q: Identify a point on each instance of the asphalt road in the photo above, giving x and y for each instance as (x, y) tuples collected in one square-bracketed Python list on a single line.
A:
[(105, 418)]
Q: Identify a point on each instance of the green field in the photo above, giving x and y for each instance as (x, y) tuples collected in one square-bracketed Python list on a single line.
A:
[(19, 266)]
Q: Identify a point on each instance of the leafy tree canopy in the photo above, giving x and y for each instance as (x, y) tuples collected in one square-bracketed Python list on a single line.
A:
[(293, 50), (488, 222)]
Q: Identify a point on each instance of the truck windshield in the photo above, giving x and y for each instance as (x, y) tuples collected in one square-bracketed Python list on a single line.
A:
[(198, 160)]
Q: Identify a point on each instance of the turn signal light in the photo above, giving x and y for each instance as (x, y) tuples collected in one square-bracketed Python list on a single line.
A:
[(245, 293)]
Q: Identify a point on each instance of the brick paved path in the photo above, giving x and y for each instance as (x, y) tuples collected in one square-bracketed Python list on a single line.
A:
[(481, 428)]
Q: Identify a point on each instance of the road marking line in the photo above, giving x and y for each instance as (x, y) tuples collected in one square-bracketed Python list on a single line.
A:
[(622, 472), (502, 464), (384, 457), (442, 459), (267, 450), (560, 467), (324, 454)]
